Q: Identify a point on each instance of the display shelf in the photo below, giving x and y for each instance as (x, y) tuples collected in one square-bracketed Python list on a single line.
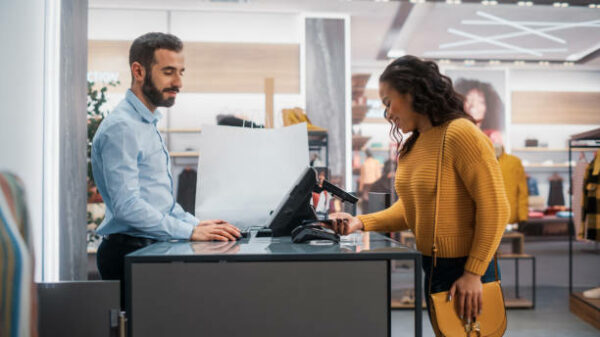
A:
[(585, 308), (547, 149), (180, 130), (358, 142), (358, 113), (375, 120), (184, 154), (547, 166), (518, 303)]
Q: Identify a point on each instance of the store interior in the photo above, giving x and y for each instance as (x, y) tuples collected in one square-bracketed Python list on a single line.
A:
[(531, 69)]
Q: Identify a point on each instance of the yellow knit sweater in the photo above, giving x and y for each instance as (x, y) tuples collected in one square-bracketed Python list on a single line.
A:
[(473, 206), (515, 183)]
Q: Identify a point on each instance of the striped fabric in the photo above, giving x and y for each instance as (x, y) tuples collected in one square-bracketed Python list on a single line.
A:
[(16, 262)]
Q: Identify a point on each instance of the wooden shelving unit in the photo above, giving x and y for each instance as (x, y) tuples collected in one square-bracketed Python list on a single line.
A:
[(188, 154), (375, 120), (585, 308), (551, 166), (546, 149)]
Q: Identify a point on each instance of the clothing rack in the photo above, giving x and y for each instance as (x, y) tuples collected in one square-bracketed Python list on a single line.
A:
[(578, 305), (587, 140)]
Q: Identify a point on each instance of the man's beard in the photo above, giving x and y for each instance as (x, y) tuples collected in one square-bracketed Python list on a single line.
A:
[(154, 95)]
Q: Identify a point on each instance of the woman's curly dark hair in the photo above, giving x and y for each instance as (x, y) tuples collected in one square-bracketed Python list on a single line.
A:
[(432, 93)]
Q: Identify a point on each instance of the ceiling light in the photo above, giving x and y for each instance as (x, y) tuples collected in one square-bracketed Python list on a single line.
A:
[(568, 64), (494, 62), (519, 63), (544, 63), (564, 4), (592, 6), (521, 3), (395, 53), (469, 62), (556, 4), (529, 3), (444, 61)]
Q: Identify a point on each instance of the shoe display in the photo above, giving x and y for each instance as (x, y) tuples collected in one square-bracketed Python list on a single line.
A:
[(592, 293)]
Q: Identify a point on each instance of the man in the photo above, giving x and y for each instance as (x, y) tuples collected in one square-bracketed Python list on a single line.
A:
[(131, 164)]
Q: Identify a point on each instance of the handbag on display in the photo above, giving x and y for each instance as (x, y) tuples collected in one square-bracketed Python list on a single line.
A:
[(444, 316)]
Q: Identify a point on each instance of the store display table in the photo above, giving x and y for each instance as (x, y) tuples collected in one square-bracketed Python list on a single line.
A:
[(266, 287)]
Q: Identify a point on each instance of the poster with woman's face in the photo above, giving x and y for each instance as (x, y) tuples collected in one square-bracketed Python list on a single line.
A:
[(484, 93)]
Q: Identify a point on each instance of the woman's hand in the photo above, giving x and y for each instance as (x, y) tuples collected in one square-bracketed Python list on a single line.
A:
[(469, 295), (344, 223)]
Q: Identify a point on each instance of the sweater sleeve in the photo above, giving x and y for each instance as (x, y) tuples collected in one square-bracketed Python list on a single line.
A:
[(391, 219), (477, 167), (523, 201)]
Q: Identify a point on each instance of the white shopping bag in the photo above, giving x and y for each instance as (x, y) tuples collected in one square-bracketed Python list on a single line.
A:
[(244, 173)]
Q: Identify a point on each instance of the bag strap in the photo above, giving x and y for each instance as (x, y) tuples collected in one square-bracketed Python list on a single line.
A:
[(434, 249), (437, 204)]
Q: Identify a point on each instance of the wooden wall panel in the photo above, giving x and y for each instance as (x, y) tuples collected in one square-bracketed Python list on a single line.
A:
[(545, 107), (214, 67)]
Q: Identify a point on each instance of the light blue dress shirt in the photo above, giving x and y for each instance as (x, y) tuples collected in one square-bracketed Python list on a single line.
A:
[(131, 168)]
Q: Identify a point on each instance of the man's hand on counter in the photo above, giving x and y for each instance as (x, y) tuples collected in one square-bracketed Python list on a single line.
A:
[(215, 230)]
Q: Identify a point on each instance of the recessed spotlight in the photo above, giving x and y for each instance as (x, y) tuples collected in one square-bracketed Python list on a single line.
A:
[(556, 4), (519, 63), (568, 64), (469, 62), (544, 63), (521, 3), (564, 4), (529, 3), (494, 62), (592, 6)]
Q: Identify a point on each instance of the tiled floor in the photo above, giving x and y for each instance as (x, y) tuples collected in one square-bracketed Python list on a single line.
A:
[(551, 317)]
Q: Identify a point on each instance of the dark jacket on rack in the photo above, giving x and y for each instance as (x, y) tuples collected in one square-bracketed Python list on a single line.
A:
[(591, 199), (186, 190)]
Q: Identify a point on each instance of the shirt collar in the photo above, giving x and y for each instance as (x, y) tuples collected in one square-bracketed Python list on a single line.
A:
[(141, 109)]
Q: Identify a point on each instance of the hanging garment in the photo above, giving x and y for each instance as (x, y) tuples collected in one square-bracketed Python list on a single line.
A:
[(515, 184), (186, 190), (18, 314), (591, 200), (532, 186), (555, 196), (577, 192)]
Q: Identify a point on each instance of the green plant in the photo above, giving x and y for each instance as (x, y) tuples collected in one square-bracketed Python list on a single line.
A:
[(95, 114)]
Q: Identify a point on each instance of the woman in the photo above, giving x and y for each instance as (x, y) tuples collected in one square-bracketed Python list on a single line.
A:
[(473, 205), (483, 103)]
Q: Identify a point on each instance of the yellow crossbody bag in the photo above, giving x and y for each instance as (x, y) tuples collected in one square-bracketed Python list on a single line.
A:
[(444, 315)]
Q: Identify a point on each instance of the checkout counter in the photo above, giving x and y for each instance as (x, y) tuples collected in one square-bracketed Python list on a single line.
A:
[(266, 286)]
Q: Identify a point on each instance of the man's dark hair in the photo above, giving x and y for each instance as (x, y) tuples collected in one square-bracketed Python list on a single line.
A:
[(142, 49)]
